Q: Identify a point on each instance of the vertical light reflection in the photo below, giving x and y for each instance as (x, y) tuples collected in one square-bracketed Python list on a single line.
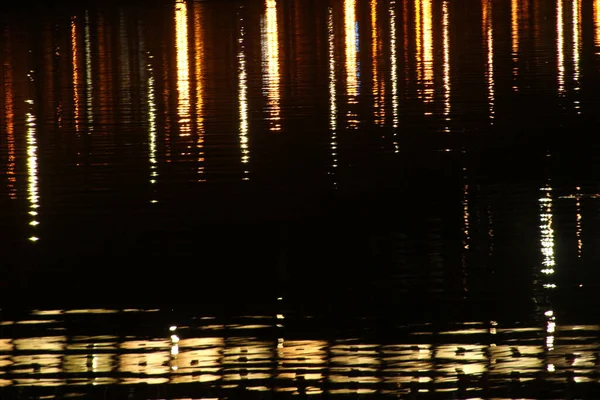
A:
[(418, 40), (76, 83), (394, 72), (183, 67), (466, 240), (332, 95), (547, 232), (378, 82), (152, 126), (576, 49), (428, 88), (32, 168), (597, 25), (447, 86), (88, 74), (488, 32), (199, 54), (10, 130), (243, 100), (578, 217), (560, 44), (271, 64), (351, 43), (515, 40)]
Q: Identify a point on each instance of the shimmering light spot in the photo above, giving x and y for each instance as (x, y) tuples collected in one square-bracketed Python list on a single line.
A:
[(427, 60), (243, 101), (152, 154), (378, 82), (183, 67), (352, 70), (199, 59), (576, 51), (270, 50), (33, 194), (547, 231)]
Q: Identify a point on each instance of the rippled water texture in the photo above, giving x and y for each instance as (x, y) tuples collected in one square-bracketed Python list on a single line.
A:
[(322, 198)]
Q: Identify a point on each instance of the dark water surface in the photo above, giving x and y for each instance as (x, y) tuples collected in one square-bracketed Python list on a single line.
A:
[(351, 198)]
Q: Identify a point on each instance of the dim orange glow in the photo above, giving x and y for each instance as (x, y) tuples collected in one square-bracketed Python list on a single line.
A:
[(199, 61), (488, 34), (515, 39), (394, 71), (104, 71), (89, 86), (447, 83), (419, 40), (183, 68), (271, 58), (244, 113), (576, 49), (10, 129), (75, 59), (560, 44)]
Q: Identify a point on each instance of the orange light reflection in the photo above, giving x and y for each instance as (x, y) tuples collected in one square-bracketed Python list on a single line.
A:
[(271, 59)]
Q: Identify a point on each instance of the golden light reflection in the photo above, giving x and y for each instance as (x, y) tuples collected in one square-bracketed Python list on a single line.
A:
[(10, 130), (33, 194), (199, 61), (243, 101), (152, 151), (597, 25), (394, 72), (271, 65), (560, 44), (576, 49), (447, 83), (332, 94), (352, 69), (488, 34), (76, 83), (514, 9), (378, 82), (183, 68), (419, 40), (88, 74), (427, 59)]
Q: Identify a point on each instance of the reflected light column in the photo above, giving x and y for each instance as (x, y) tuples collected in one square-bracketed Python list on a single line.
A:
[(183, 67), (332, 96), (428, 87), (32, 167), (394, 72), (576, 50), (76, 79), (447, 85), (488, 33), (515, 40), (10, 130), (88, 74), (271, 65), (560, 44), (578, 218), (152, 127), (351, 42), (548, 260), (597, 25), (378, 82), (243, 101), (199, 50)]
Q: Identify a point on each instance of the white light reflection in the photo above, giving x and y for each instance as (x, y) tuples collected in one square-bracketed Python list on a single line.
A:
[(427, 59), (488, 32), (88, 74), (576, 50), (560, 44), (270, 52), (332, 96), (32, 167), (547, 232), (394, 72), (352, 68), (578, 216), (152, 126), (243, 100), (378, 82), (447, 85)]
